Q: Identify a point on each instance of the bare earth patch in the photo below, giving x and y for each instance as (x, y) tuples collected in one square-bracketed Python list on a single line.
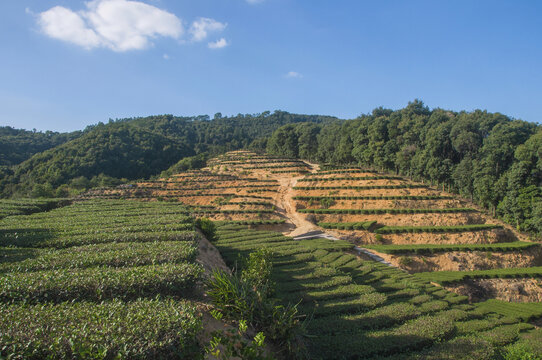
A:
[(465, 260), (447, 219), (513, 290)]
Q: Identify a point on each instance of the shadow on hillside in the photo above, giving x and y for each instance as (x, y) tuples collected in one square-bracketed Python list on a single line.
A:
[(13, 255), (26, 237)]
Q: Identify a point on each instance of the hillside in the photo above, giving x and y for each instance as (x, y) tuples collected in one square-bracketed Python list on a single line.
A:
[(384, 266), (17, 145), (489, 158), (127, 149)]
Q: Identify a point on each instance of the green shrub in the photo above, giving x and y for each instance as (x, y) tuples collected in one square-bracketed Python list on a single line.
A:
[(232, 296), (207, 227), (257, 273), (405, 261), (232, 343)]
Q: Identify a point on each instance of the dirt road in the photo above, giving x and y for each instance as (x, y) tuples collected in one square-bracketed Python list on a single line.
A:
[(286, 205)]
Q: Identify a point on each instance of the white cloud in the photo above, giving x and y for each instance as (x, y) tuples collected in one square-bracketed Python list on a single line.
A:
[(119, 25), (255, 1), (219, 44), (294, 75), (201, 28), (166, 57)]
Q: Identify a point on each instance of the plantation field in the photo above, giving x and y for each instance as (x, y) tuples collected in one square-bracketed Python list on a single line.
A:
[(119, 247), (411, 225), (371, 310), (28, 206), (108, 278)]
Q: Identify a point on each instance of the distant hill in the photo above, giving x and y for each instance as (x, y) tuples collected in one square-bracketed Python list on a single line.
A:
[(17, 145), (127, 149)]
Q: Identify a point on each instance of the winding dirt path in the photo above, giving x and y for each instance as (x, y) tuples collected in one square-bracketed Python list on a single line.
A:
[(286, 205)]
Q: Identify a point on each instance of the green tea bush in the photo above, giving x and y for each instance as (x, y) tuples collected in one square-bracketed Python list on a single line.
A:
[(140, 329), (100, 283), (435, 229), (386, 211), (113, 255), (207, 227)]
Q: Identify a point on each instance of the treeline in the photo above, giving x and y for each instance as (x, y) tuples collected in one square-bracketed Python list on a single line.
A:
[(490, 158), (127, 149)]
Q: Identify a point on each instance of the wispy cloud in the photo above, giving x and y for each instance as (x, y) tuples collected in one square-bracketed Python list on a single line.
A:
[(294, 75), (121, 25), (201, 28), (219, 44)]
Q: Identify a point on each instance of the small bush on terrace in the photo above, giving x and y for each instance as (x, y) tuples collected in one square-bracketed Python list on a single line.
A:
[(207, 227)]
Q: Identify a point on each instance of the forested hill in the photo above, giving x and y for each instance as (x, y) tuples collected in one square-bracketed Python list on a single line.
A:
[(56, 164), (488, 157), (18, 145)]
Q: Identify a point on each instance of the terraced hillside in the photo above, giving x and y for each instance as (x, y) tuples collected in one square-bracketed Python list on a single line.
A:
[(456, 280), (364, 309), (425, 231)]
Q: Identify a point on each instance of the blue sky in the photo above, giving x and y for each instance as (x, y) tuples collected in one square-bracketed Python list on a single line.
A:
[(65, 64)]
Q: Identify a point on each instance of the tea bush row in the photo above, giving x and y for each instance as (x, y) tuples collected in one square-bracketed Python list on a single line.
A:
[(366, 225), (382, 177), (436, 248), (384, 197), (367, 187), (387, 211), (436, 229)]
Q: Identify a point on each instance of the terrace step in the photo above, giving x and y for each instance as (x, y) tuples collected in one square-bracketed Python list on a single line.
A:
[(322, 235), (372, 256)]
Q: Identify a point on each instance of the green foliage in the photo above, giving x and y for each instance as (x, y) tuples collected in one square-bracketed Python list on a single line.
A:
[(129, 148), (207, 227), (519, 352), (447, 277), (188, 163), (386, 211), (364, 308), (109, 254), (435, 229), (384, 197), (435, 248), (365, 225), (245, 294), (405, 261), (232, 343), (18, 145), (100, 283), (28, 206), (327, 203), (140, 329), (257, 273), (232, 296), (122, 294)]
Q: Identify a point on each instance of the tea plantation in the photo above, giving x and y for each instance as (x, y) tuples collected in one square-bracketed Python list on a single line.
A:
[(100, 280)]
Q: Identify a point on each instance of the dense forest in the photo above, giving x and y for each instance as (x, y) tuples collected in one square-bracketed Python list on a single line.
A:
[(489, 158), (53, 164), (18, 145)]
